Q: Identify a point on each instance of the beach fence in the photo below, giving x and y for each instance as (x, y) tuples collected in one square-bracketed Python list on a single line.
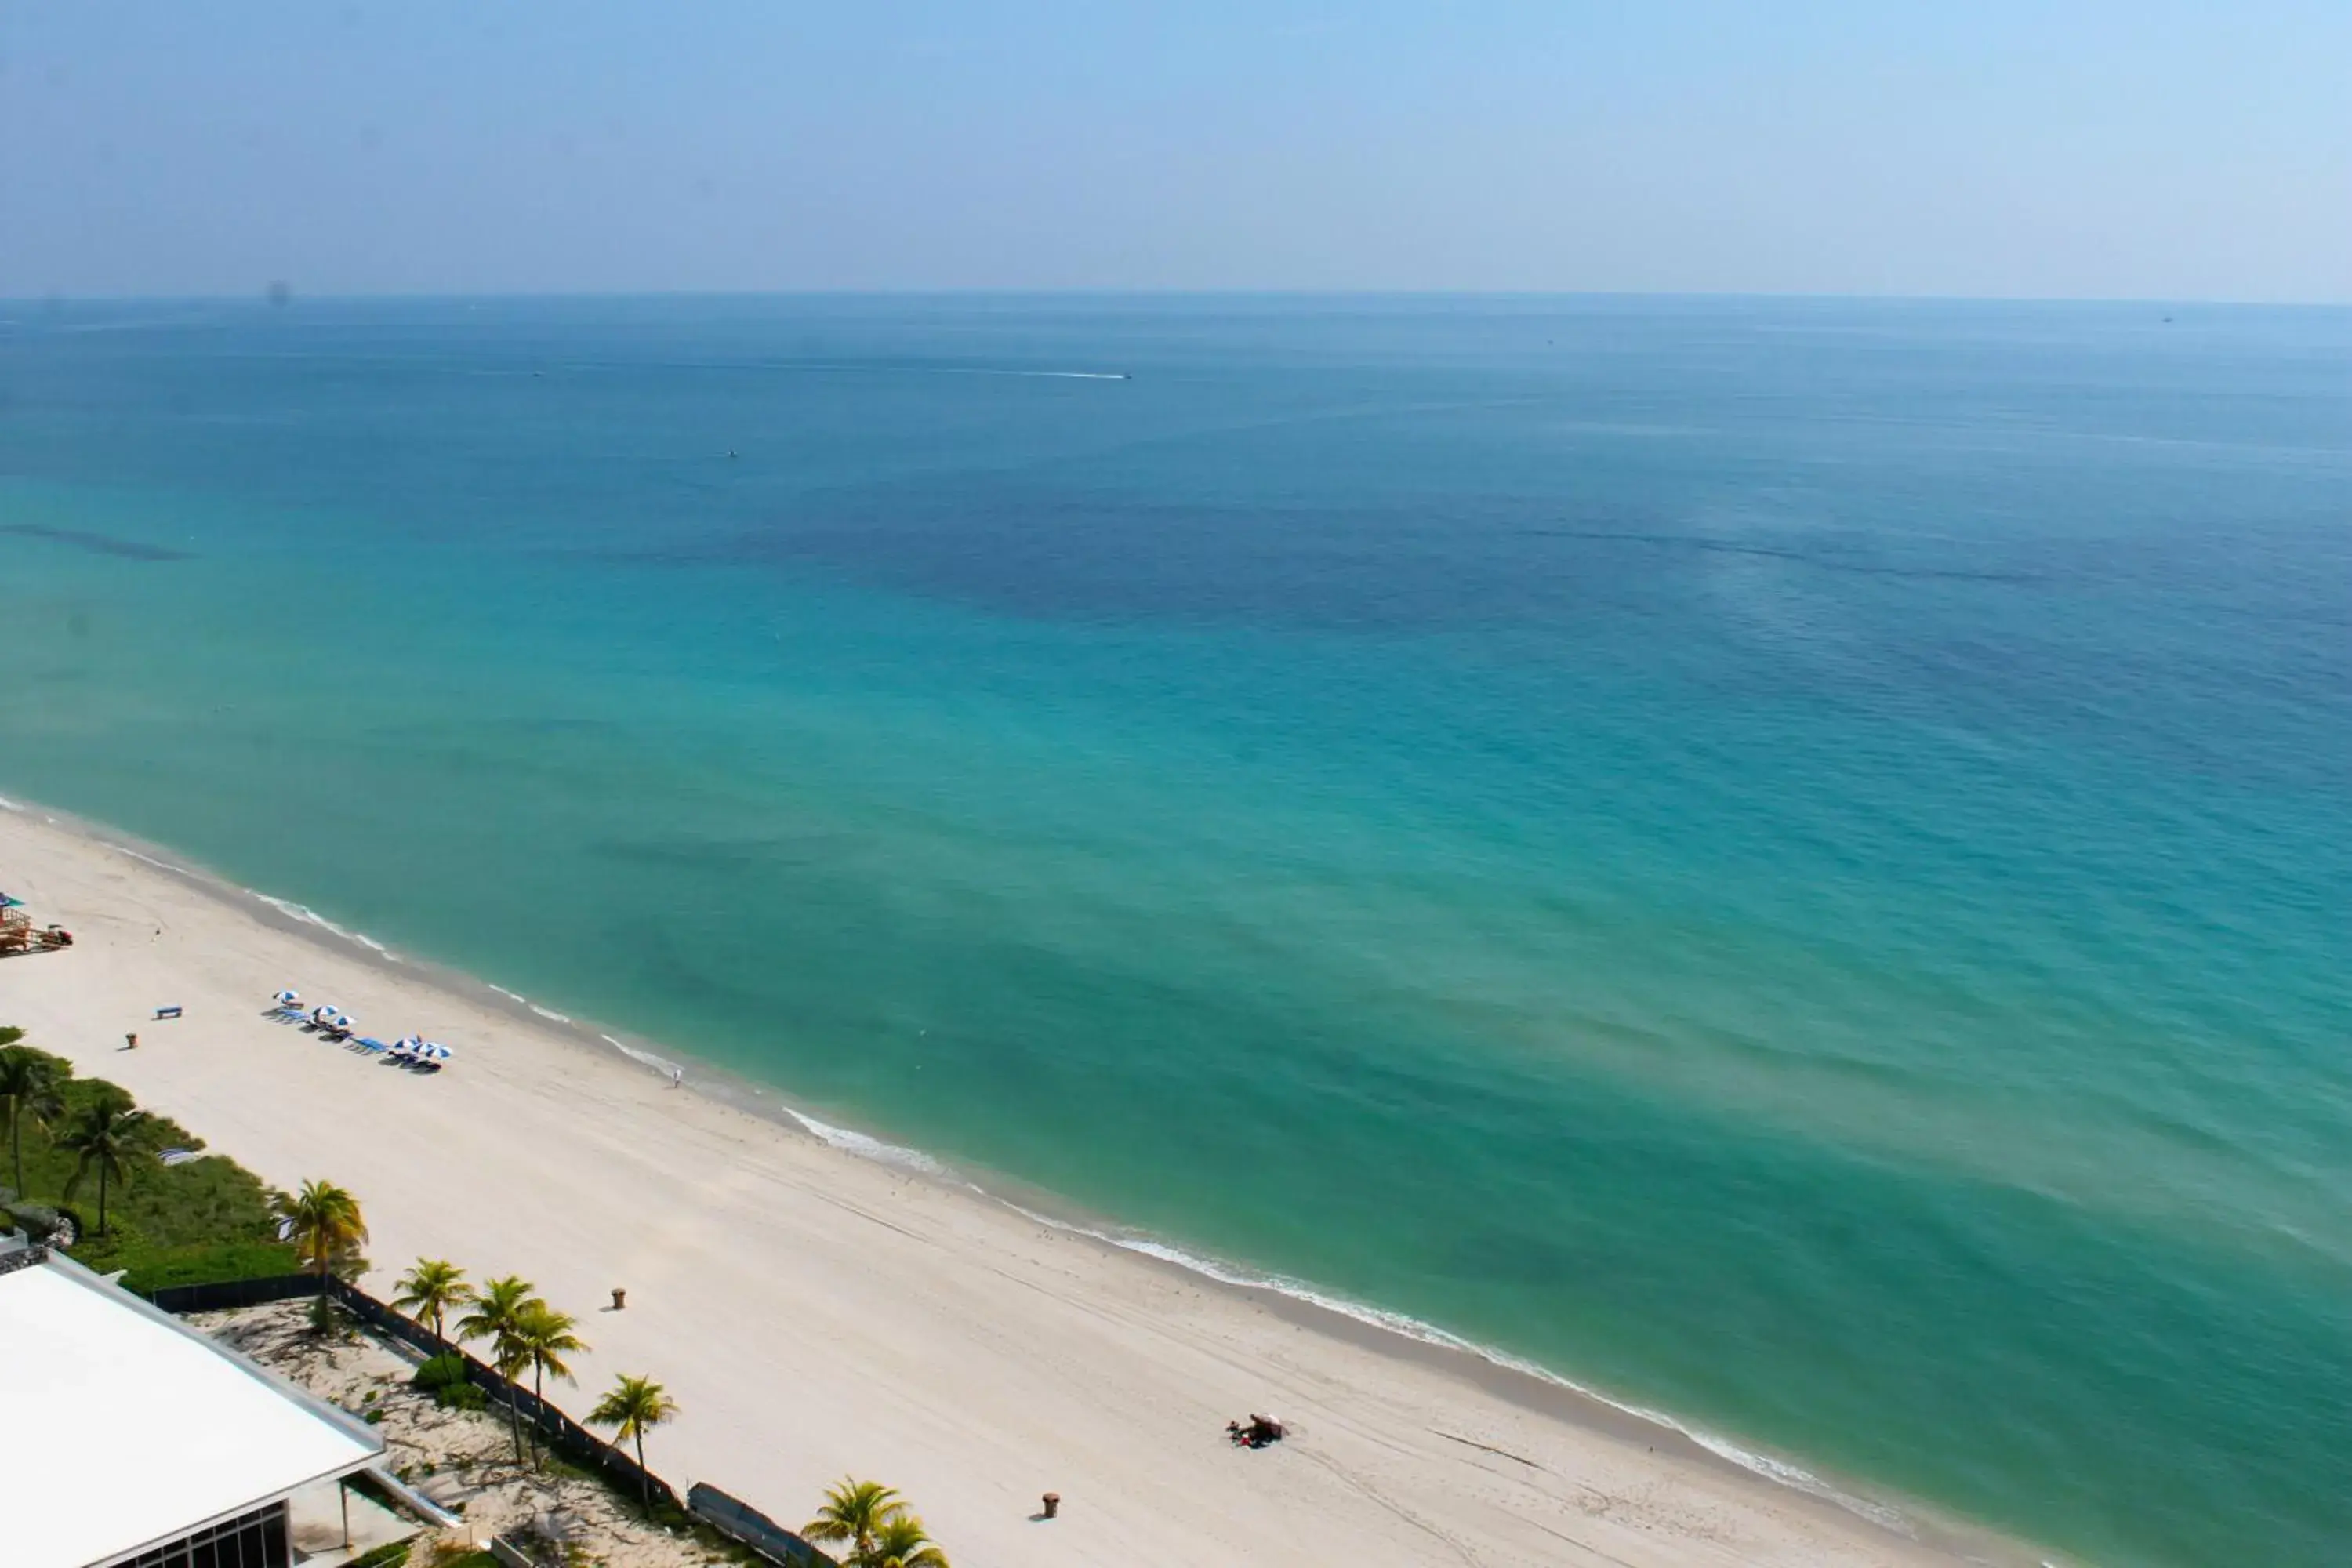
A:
[(556, 1430), (741, 1522), (228, 1296)]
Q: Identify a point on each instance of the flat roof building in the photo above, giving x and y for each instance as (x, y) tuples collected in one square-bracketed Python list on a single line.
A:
[(130, 1440)]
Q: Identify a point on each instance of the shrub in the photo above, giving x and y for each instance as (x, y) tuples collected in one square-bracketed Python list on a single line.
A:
[(461, 1396), (120, 1245), (390, 1554), (443, 1371)]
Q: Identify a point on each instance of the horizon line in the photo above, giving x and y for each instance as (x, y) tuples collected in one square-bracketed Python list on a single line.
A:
[(271, 296)]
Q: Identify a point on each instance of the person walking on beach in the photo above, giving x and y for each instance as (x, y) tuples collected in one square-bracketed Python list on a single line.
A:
[(129, 1042), (677, 1077)]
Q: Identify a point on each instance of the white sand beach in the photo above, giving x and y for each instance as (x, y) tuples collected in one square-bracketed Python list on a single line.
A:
[(816, 1313)]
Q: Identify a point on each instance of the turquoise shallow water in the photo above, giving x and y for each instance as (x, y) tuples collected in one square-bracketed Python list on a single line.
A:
[(1788, 861)]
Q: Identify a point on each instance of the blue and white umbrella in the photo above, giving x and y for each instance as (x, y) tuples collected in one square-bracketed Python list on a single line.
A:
[(438, 1052), (345, 1021), (407, 1043), (287, 998)]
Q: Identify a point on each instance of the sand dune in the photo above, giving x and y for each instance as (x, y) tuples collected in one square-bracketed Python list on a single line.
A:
[(816, 1313)]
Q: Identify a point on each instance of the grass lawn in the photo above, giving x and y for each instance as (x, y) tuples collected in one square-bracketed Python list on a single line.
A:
[(188, 1222)]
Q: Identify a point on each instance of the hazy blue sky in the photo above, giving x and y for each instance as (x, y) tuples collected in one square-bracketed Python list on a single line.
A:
[(2073, 147)]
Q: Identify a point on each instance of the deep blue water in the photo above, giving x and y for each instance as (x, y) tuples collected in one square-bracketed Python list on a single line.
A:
[(1788, 861)]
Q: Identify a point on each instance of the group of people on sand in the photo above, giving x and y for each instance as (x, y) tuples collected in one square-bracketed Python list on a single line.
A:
[(1259, 1431)]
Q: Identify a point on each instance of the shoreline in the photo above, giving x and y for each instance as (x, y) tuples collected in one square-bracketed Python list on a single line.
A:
[(1903, 1529)]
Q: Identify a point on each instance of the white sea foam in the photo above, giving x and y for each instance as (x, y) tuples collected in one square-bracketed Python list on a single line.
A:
[(150, 859), (308, 916), (866, 1148), (1049, 375), (645, 1058), (1773, 1470), (7, 804)]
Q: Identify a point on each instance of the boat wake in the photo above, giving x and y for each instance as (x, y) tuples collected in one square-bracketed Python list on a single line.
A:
[(1049, 375)]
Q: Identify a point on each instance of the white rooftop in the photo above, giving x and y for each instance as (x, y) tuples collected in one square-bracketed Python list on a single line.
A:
[(131, 1430)]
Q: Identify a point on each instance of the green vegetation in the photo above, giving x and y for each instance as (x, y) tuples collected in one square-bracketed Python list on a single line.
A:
[(498, 1308), (901, 1542), (444, 1377), (439, 1371), (28, 1092), (196, 1222), (526, 1334), (325, 1225), (431, 1290), (390, 1554), (108, 1135), (544, 1336), (204, 1219), (881, 1531), (152, 1269), (635, 1407), (462, 1397)]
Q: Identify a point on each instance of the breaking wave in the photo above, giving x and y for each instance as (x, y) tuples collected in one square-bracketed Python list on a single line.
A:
[(303, 912)]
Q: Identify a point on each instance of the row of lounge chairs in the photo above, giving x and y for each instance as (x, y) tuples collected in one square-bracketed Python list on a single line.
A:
[(328, 1023)]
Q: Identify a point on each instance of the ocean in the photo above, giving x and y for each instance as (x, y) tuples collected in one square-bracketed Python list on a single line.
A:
[(1786, 861)]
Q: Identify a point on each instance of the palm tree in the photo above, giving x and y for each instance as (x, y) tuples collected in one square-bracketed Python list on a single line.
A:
[(325, 1225), (901, 1542), (28, 1088), (544, 1337), (498, 1307), (107, 1133), (854, 1511), (431, 1290), (635, 1408)]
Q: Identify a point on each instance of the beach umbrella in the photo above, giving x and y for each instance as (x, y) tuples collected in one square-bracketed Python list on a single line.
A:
[(287, 998), (345, 1021), (437, 1051), (407, 1043)]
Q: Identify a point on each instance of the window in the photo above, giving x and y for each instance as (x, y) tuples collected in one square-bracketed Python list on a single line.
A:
[(256, 1539)]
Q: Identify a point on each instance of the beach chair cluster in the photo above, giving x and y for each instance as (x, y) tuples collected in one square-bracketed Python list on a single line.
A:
[(330, 1022)]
